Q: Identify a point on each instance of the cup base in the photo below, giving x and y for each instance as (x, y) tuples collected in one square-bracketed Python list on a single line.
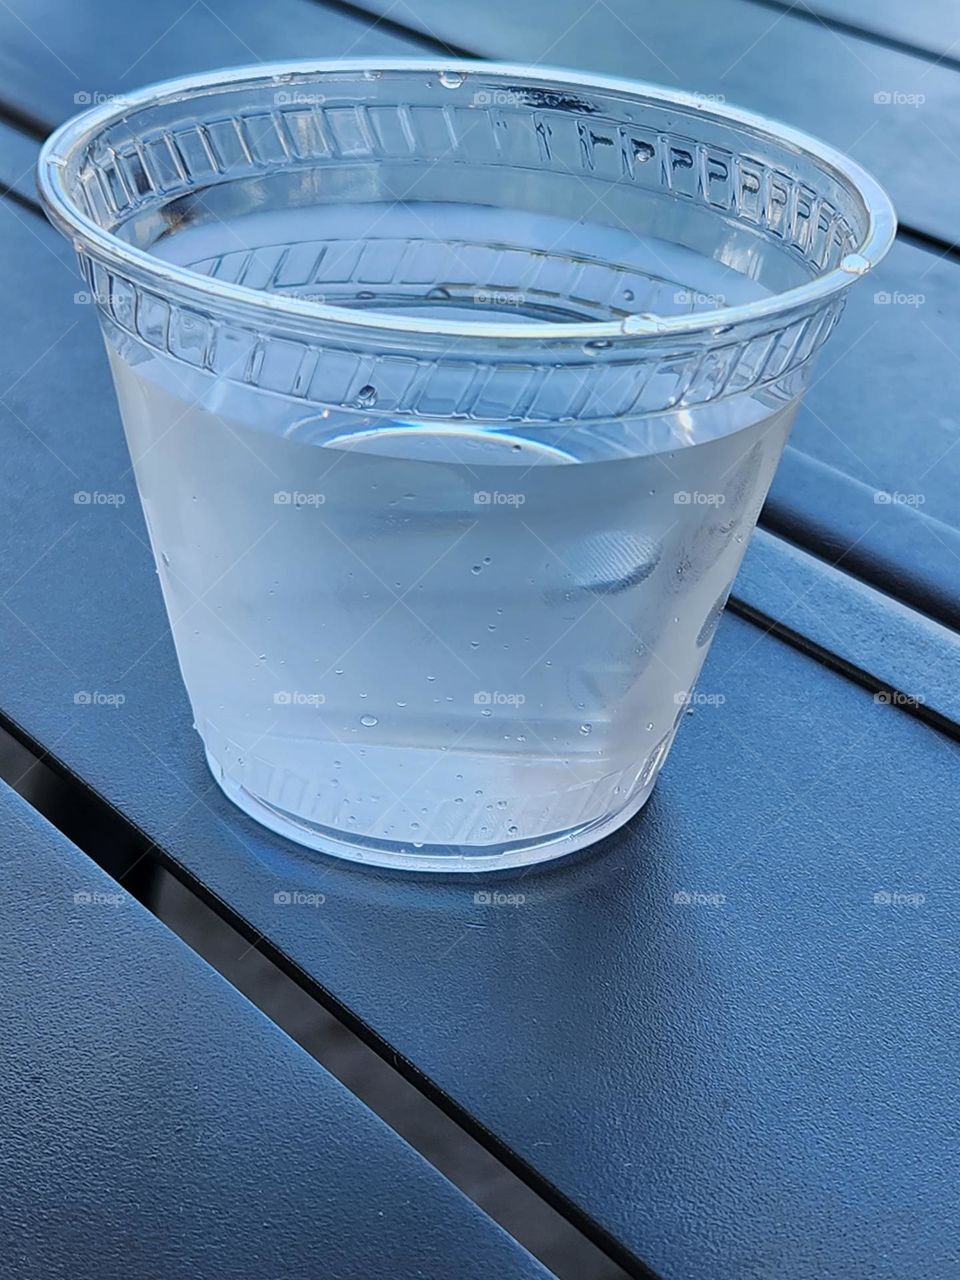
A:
[(403, 856)]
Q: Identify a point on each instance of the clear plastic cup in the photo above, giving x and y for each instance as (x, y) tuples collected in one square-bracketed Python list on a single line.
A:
[(453, 393)]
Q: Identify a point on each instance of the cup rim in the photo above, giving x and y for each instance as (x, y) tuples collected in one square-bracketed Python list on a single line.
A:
[(88, 236)]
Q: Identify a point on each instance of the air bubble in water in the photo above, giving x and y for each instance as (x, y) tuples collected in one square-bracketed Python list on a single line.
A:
[(586, 728), (452, 79), (367, 397), (368, 721)]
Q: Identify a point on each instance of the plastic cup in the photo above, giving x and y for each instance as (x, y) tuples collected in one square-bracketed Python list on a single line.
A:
[(453, 393)]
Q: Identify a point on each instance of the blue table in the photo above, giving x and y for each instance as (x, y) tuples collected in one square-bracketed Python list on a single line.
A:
[(722, 1043), (155, 1123)]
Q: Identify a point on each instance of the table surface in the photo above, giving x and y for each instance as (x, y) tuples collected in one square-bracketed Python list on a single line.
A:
[(724, 1041)]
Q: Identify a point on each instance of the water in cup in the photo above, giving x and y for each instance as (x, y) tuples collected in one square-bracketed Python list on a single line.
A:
[(440, 638)]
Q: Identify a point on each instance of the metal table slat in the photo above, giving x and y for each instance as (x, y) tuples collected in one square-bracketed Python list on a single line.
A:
[(155, 1123)]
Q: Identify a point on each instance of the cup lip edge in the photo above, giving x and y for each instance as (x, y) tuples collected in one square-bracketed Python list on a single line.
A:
[(204, 290)]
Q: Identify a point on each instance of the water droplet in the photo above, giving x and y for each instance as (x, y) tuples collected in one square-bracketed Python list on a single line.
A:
[(855, 264), (367, 397), (628, 295), (477, 568), (486, 712), (165, 558), (645, 322), (339, 671), (513, 830), (474, 644), (487, 559), (431, 679), (452, 79), (594, 348), (586, 728), (516, 448), (649, 726), (642, 151), (368, 721), (501, 804), (401, 704), (458, 799), (439, 294)]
